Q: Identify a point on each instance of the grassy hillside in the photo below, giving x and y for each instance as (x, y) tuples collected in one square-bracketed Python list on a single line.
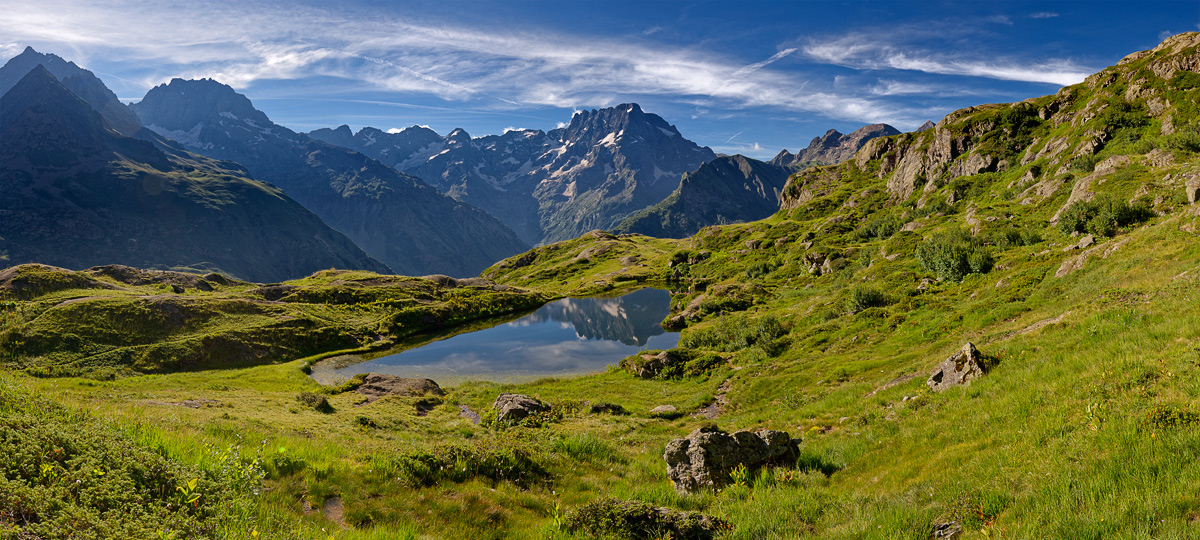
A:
[(1056, 235)]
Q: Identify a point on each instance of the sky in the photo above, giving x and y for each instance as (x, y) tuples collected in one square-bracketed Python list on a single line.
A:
[(749, 77)]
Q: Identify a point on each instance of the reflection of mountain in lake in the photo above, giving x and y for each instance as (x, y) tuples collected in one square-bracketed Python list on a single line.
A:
[(564, 338), (631, 319)]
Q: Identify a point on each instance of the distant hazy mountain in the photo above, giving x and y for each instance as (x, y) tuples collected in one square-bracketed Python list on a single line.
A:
[(78, 194), (604, 166), (728, 189), (393, 216), (833, 147), (79, 81)]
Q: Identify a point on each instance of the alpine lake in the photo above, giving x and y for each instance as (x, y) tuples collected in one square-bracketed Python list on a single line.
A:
[(564, 338)]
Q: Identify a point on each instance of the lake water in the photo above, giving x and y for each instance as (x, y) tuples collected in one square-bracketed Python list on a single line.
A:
[(572, 336)]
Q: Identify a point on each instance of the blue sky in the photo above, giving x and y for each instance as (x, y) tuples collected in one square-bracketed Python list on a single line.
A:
[(741, 77)]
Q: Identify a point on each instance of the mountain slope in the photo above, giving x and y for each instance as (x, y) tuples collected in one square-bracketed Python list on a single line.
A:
[(81, 82), (833, 147), (603, 166), (77, 194), (728, 189), (394, 217)]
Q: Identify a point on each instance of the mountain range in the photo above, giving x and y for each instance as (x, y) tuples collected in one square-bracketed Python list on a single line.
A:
[(603, 166), (393, 216), (78, 193), (833, 147)]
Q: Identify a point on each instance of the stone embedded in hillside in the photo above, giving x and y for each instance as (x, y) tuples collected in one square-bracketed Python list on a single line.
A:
[(1159, 158), (705, 457), (960, 368), (663, 410), (948, 530), (648, 366), (518, 406), (1192, 189), (377, 385)]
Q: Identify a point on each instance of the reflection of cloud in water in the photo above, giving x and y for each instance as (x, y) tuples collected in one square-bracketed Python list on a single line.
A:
[(570, 336)]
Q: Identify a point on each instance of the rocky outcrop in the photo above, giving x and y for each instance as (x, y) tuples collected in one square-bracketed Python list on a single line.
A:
[(728, 189), (376, 385), (513, 407), (833, 147), (705, 458), (960, 368)]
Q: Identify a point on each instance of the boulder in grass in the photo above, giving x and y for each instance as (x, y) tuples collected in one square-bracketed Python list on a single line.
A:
[(960, 368), (376, 385), (706, 457), (518, 406)]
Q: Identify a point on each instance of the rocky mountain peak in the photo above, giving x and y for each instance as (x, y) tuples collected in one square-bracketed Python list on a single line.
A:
[(38, 111), (833, 147), (928, 125), (79, 81), (182, 104)]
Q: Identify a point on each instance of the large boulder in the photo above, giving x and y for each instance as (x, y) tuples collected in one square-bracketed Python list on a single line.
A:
[(377, 385), (517, 406), (961, 367), (706, 456)]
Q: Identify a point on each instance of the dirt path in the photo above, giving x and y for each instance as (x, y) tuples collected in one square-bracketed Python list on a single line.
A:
[(714, 409)]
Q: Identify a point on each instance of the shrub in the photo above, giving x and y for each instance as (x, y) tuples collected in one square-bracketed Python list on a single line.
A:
[(761, 269), (317, 402), (1102, 216), (459, 463), (1168, 416), (638, 520), (864, 297), (1011, 237), (880, 227), (953, 254), (732, 333)]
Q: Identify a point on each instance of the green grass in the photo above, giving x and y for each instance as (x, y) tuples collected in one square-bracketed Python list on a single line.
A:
[(826, 318)]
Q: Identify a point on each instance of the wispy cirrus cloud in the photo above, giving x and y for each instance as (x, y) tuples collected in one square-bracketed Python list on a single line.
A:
[(241, 44), (876, 52)]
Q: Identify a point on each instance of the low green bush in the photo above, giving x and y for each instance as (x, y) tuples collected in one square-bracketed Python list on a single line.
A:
[(316, 402), (459, 463), (609, 517), (953, 254), (1102, 216), (863, 297), (733, 333)]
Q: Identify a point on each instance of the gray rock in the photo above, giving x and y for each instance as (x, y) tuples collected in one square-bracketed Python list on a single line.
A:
[(1192, 188), (705, 457), (377, 385), (517, 406), (663, 409), (946, 531), (961, 367)]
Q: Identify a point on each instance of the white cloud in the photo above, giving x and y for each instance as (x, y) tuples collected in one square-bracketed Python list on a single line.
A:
[(510, 128), (759, 65), (862, 51), (1043, 15), (497, 68)]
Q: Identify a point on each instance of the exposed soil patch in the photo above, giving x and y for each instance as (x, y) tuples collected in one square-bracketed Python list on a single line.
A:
[(466, 412), (335, 511), (189, 403), (714, 409), (893, 383)]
